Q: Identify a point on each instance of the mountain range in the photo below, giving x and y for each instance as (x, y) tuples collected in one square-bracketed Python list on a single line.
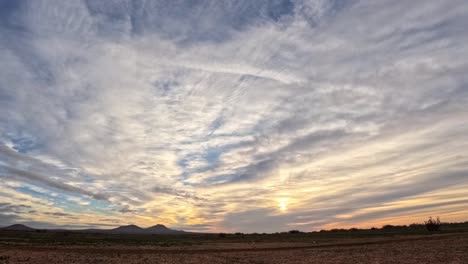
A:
[(121, 230)]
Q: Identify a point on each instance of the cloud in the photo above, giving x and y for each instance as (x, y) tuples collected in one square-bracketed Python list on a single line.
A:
[(126, 209), (194, 228), (12, 208), (206, 115), (7, 219), (180, 194), (58, 214), (12, 172)]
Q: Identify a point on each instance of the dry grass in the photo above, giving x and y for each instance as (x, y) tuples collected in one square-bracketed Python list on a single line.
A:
[(451, 248)]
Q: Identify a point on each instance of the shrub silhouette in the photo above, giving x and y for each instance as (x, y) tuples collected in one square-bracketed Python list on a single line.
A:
[(433, 225)]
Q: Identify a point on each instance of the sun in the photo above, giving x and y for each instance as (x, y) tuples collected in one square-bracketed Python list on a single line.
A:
[(283, 205)]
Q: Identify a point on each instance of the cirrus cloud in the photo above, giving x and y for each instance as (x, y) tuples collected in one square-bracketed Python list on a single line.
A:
[(207, 115)]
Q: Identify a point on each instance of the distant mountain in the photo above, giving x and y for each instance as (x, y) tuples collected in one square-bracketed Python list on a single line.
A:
[(128, 229), (18, 227), (121, 230), (163, 230)]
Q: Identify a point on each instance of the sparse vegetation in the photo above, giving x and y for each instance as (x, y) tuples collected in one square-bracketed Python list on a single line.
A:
[(433, 225), (76, 247), (4, 259), (447, 248), (77, 238)]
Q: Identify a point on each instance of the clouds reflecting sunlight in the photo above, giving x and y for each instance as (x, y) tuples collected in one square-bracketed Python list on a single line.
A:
[(254, 116)]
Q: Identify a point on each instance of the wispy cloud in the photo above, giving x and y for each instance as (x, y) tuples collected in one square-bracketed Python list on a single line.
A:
[(208, 116)]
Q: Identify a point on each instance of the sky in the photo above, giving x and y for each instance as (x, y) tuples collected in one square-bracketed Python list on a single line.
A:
[(226, 116)]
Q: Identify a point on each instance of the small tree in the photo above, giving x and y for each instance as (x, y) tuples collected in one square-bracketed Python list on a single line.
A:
[(433, 225)]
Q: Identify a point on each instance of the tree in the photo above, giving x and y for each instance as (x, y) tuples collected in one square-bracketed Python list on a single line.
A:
[(433, 225)]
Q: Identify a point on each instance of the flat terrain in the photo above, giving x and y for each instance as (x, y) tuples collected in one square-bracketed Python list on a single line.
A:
[(301, 248)]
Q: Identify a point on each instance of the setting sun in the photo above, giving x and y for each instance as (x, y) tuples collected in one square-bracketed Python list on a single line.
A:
[(283, 206)]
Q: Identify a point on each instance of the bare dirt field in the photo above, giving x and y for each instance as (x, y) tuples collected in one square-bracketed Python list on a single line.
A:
[(443, 248)]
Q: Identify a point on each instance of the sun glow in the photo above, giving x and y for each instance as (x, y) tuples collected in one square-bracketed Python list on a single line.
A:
[(283, 205)]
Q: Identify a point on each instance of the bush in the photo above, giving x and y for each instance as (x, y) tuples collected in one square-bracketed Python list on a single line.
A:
[(4, 259), (433, 225)]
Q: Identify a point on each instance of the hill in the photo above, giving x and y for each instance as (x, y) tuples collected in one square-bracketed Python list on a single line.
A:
[(18, 227), (128, 229), (121, 230), (163, 230)]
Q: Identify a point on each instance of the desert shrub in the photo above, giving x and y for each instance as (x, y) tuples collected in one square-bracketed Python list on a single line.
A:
[(166, 244), (4, 259), (433, 225), (239, 234), (337, 230), (294, 232)]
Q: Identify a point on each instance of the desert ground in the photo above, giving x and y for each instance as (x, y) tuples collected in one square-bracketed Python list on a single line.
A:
[(430, 248)]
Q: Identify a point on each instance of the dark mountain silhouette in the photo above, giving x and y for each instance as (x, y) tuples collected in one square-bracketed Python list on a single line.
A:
[(128, 229), (154, 230), (121, 230), (163, 230), (18, 227)]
